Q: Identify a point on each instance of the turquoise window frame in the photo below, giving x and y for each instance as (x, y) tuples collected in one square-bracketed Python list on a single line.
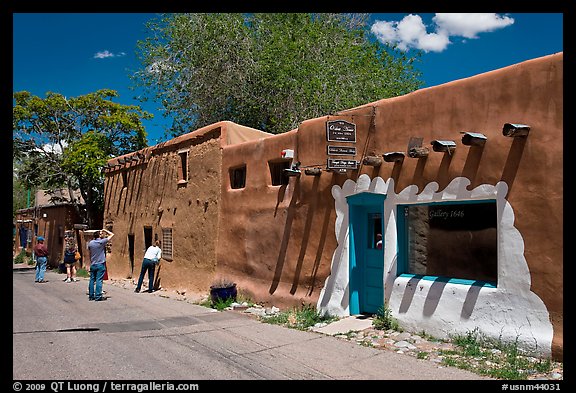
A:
[(402, 244)]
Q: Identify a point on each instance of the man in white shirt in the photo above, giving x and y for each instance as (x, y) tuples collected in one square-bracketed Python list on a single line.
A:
[(151, 259)]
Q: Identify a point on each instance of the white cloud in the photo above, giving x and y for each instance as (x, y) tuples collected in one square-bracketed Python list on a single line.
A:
[(107, 53), (51, 148), (469, 25), (411, 32)]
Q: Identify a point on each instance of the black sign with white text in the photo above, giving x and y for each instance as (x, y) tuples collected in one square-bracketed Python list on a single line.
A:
[(334, 163), (340, 131), (341, 150)]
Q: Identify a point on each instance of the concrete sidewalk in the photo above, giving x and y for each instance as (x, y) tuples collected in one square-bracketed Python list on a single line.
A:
[(352, 323)]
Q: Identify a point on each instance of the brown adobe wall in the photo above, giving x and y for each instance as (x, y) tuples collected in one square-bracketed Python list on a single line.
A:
[(275, 242), (153, 198), (528, 93)]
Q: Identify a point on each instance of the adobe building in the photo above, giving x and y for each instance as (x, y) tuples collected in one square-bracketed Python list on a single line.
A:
[(463, 181), (55, 219)]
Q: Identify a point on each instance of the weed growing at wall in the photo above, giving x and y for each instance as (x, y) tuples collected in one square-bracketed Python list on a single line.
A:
[(494, 358), (383, 320), (298, 318)]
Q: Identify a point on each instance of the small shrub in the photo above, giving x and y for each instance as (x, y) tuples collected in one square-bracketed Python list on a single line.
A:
[(299, 318), (470, 343), (21, 257), (383, 320), (221, 304)]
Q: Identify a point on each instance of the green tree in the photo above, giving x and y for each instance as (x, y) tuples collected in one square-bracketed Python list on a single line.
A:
[(269, 71), (64, 142), (22, 197)]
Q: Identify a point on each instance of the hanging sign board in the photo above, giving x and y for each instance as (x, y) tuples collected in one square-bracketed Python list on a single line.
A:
[(334, 163), (341, 150), (340, 131)]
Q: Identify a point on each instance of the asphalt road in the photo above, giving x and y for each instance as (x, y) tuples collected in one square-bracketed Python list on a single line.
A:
[(59, 335)]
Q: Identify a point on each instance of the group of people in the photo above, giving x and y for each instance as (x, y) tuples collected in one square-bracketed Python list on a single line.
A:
[(97, 253)]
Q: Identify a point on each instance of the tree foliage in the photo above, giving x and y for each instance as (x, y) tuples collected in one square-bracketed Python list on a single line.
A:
[(22, 196), (266, 70), (61, 142)]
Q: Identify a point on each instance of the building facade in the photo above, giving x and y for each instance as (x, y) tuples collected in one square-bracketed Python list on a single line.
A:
[(462, 181), (55, 221)]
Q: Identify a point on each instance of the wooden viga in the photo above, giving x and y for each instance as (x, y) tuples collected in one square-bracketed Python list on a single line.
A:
[(415, 148)]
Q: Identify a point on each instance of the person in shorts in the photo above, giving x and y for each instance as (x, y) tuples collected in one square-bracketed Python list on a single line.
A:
[(70, 262)]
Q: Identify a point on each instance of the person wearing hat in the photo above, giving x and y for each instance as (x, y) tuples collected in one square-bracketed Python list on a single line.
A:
[(41, 253)]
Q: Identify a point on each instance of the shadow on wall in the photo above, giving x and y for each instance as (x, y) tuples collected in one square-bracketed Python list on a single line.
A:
[(434, 294), (324, 233), (513, 161), (311, 212), (291, 211), (472, 164), (306, 233)]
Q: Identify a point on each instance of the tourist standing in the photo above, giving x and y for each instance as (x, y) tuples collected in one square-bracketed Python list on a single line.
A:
[(41, 254), (97, 251)]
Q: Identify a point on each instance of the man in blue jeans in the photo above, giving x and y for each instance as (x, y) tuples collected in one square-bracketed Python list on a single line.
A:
[(151, 259), (97, 251), (41, 254)]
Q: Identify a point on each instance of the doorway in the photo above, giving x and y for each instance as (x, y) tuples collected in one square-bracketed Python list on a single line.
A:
[(131, 253), (366, 254)]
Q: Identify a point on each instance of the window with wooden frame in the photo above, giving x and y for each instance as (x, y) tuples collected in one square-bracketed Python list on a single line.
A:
[(183, 166), (238, 177), (167, 244), (277, 175)]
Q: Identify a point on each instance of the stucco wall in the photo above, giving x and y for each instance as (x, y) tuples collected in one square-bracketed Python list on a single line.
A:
[(531, 167), (274, 241), (154, 198), (286, 244)]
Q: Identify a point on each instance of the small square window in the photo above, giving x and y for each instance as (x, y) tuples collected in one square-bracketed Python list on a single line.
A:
[(238, 177), (277, 174)]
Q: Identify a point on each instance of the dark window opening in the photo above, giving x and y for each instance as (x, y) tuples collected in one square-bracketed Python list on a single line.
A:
[(238, 177), (375, 230), (454, 240), (124, 179), (183, 167), (277, 174), (147, 238)]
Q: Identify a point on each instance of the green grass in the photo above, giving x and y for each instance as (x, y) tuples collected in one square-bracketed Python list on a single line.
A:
[(493, 358), (476, 353), (298, 318), (82, 273), (422, 355)]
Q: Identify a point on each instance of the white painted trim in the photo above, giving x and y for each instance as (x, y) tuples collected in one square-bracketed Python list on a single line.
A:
[(509, 312)]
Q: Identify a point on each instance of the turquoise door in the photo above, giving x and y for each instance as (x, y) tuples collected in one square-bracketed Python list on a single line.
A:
[(366, 258)]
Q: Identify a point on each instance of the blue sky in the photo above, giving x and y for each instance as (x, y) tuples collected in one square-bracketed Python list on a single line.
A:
[(78, 53)]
